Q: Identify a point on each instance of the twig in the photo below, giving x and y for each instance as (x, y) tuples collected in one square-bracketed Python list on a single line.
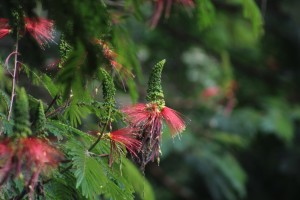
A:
[(59, 109), (101, 133), (99, 137), (13, 81), (52, 103)]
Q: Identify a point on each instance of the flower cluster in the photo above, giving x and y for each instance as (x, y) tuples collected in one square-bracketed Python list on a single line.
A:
[(142, 137), (27, 156), (148, 118), (160, 5), (39, 28)]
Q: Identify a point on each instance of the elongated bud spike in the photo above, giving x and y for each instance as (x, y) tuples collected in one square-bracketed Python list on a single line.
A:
[(108, 88), (21, 114), (154, 91), (41, 119), (65, 51), (109, 91)]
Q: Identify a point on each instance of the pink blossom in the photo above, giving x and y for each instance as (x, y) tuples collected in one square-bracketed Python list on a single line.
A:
[(127, 137), (40, 29), (4, 27), (148, 118), (173, 120), (31, 155)]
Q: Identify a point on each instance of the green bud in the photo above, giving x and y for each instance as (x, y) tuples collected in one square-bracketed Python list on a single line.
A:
[(21, 113), (155, 92), (40, 122)]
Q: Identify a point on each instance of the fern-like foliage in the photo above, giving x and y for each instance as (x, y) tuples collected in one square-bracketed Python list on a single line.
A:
[(21, 114), (90, 176), (40, 120)]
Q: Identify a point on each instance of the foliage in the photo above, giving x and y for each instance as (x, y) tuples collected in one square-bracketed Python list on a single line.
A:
[(223, 70)]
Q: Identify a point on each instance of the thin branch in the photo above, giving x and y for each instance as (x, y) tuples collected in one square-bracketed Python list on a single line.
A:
[(13, 81), (52, 103), (101, 133), (59, 109), (99, 137)]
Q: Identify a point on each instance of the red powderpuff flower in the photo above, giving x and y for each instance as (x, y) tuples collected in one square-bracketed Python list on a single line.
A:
[(127, 137), (159, 7), (141, 115), (173, 120), (148, 118), (38, 156), (40, 29), (6, 157), (30, 155), (4, 27)]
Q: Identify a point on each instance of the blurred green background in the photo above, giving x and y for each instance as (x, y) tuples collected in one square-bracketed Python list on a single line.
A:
[(237, 86)]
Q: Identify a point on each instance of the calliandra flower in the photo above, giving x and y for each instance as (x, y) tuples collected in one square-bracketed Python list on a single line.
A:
[(31, 156), (123, 137), (144, 115), (160, 5), (127, 137), (6, 158), (40, 29), (4, 27), (148, 118)]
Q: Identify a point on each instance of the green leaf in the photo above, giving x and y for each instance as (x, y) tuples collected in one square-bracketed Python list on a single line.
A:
[(40, 121), (5, 99), (206, 13), (41, 79), (252, 12), (5, 125), (74, 113), (90, 176), (140, 184), (21, 113)]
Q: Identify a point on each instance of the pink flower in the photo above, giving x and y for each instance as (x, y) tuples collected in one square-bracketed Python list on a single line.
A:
[(159, 7), (173, 120), (6, 157), (39, 154), (141, 115), (30, 155), (148, 118), (40, 29), (127, 137), (123, 137), (4, 27)]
